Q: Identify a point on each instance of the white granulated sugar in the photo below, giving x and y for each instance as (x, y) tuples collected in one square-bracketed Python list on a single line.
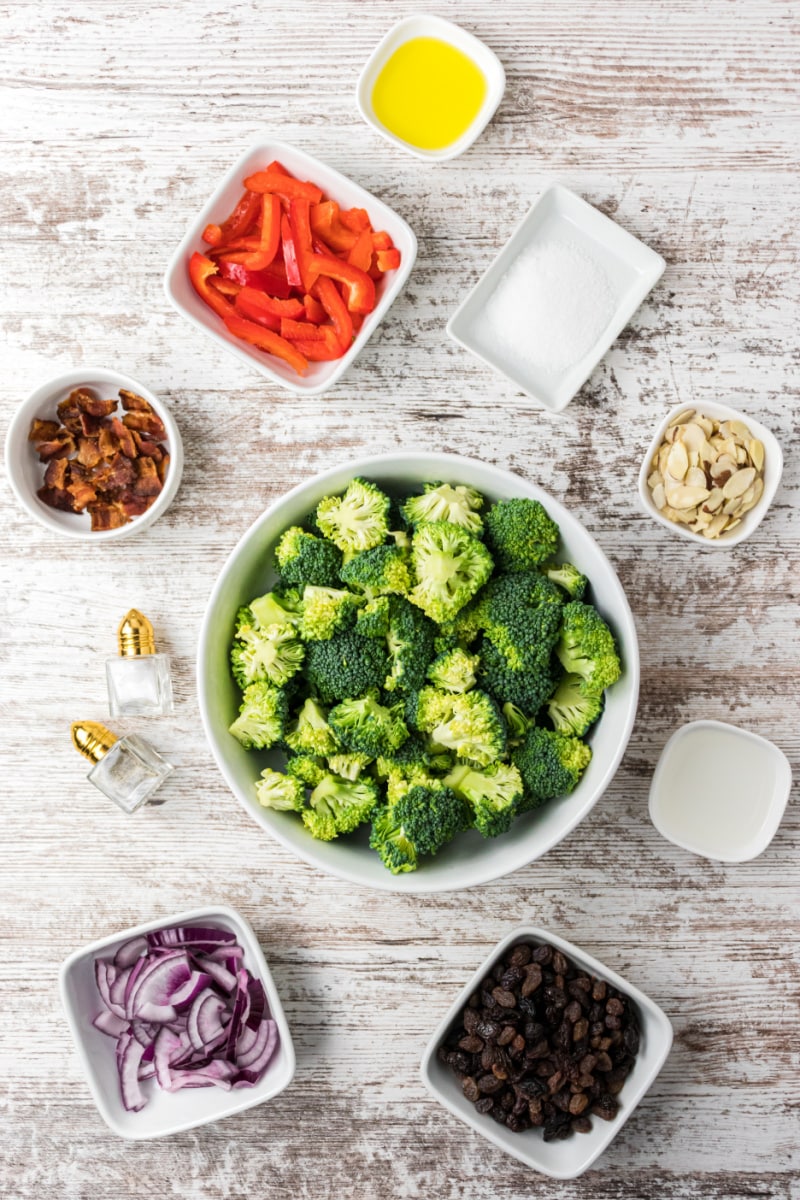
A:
[(551, 306)]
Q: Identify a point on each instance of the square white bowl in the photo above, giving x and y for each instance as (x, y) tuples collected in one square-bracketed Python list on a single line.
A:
[(775, 774), (571, 1157), (425, 25), (182, 296), (773, 469), (631, 267), (167, 1113), (26, 472)]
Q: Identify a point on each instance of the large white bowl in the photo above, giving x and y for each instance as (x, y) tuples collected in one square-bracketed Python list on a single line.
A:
[(469, 859)]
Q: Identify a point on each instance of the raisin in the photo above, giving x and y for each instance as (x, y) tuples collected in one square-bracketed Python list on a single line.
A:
[(472, 1044), (511, 978), (542, 954), (471, 1020), (489, 1084), (573, 1012), (578, 1103), (605, 1107), (520, 955), (532, 980), (484, 1105), (507, 1033), (470, 1089), (581, 1125), (504, 998), (487, 1030), (580, 1029), (631, 1039)]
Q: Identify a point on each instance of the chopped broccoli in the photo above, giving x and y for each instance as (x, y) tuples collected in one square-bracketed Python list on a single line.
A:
[(373, 619), (520, 534), (377, 572), (311, 733), (412, 754), (586, 647), (391, 842), (421, 821), (571, 708), (442, 502), (526, 686), (282, 792), (401, 539), (308, 768), (470, 724), (327, 611), (519, 613), (339, 806), (517, 723), (410, 641), (365, 726), (345, 665), (450, 565), (358, 519), (262, 717), (277, 608), (551, 764), (274, 654), (494, 794), (429, 707), (567, 577), (349, 766), (454, 671), (303, 558)]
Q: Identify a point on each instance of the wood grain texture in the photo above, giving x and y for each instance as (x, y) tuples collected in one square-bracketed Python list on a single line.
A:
[(680, 120)]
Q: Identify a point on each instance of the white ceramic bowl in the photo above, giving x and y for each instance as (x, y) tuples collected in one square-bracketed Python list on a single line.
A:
[(182, 296), (631, 268), (427, 26), (571, 1157), (164, 1113), (723, 793), (26, 473), (773, 469), (469, 859)]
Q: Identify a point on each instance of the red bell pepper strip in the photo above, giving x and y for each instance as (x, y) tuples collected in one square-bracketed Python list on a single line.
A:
[(278, 167), (359, 289), (381, 240), (290, 255), (314, 310), (319, 351), (387, 260), (326, 225), (302, 330), (280, 308), (273, 280), (285, 185), (265, 339), (267, 245), (354, 219), (300, 226), (241, 220), (200, 268), (361, 254), (225, 286), (253, 312), (334, 305)]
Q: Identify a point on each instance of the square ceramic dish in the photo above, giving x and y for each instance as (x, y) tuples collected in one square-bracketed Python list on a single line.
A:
[(182, 296), (426, 26), (26, 473), (740, 802), (571, 1157), (164, 1113), (630, 267), (773, 469)]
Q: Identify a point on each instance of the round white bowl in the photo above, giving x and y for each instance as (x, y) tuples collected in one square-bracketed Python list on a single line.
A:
[(26, 472), (469, 859), (773, 469)]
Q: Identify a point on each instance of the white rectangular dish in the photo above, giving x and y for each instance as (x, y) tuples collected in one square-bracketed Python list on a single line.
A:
[(560, 217)]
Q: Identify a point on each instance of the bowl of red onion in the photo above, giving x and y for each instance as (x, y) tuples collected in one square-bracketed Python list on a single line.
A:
[(177, 1023)]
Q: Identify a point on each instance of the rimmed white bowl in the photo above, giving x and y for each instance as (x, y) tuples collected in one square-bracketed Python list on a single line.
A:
[(773, 470), (571, 1157), (26, 473), (469, 859), (425, 25), (167, 1113), (348, 194)]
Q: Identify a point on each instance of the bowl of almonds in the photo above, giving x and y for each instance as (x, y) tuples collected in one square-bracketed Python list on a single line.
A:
[(710, 474)]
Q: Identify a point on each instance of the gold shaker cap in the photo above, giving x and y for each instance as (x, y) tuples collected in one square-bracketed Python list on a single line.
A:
[(91, 739), (135, 635)]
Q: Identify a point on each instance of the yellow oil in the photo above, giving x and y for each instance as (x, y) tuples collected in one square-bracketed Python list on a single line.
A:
[(428, 93)]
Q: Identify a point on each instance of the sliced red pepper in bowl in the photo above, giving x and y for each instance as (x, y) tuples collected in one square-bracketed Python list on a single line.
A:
[(292, 307), (265, 339), (200, 270), (335, 307), (273, 281), (285, 185), (359, 288)]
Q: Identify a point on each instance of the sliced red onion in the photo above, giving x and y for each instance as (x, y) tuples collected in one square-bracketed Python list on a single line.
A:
[(245, 1058), (109, 1023), (130, 1058), (204, 1023), (183, 996), (167, 1044), (220, 974), (128, 952), (155, 986), (103, 979)]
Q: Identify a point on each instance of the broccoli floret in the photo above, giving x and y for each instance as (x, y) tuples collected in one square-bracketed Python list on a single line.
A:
[(358, 519), (517, 723), (282, 792), (349, 766), (339, 806), (391, 842), (431, 815), (551, 764), (365, 726), (520, 534), (567, 577), (308, 768), (327, 611), (519, 613), (303, 558), (450, 565), (454, 671), (311, 733), (470, 724), (277, 608), (526, 686), (586, 647), (373, 619), (401, 539), (345, 665), (494, 795), (442, 502), (411, 755), (410, 641), (377, 572), (262, 717), (571, 708), (429, 707), (274, 654)]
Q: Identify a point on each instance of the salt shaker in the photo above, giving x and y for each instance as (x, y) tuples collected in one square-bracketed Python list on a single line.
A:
[(127, 769), (138, 679)]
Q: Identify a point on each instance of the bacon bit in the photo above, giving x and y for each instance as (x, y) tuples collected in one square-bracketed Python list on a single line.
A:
[(56, 498), (56, 474), (43, 431), (163, 467), (61, 447), (89, 451), (147, 481), (107, 443), (126, 443), (135, 505), (69, 414), (87, 403), (83, 493), (106, 516), (147, 423), (130, 401)]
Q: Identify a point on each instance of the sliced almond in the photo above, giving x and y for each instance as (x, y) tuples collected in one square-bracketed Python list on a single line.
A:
[(740, 430), (739, 482), (755, 449), (692, 436), (733, 524), (686, 415), (653, 479), (695, 477), (715, 499), (688, 497), (706, 424), (659, 496), (678, 461), (716, 527)]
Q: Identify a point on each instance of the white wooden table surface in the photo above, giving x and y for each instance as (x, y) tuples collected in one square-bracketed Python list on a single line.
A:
[(681, 120)]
